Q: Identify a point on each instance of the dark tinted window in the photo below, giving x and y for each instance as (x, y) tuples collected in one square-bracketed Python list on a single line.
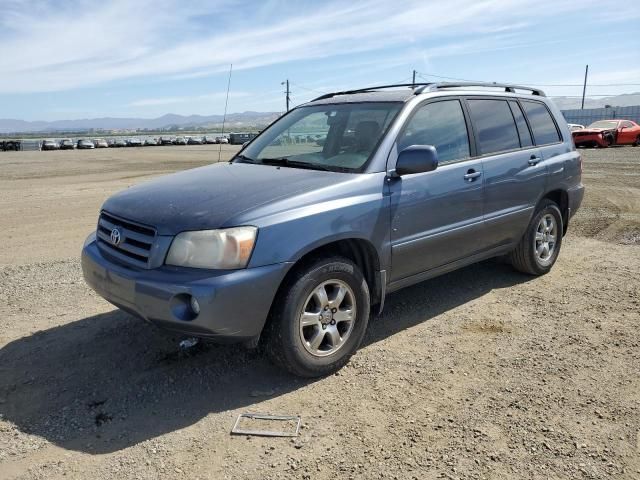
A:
[(442, 125), (523, 129), (543, 126), (494, 125)]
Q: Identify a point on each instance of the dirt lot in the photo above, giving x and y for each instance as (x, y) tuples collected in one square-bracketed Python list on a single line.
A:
[(482, 373)]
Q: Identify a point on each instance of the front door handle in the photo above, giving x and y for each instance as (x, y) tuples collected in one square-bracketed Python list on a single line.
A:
[(472, 175), (534, 160)]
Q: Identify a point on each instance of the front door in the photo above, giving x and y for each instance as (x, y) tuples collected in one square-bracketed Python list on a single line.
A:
[(627, 133), (436, 216)]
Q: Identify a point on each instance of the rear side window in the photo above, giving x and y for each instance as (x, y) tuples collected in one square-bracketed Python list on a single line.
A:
[(521, 123), (494, 125), (442, 125), (543, 127)]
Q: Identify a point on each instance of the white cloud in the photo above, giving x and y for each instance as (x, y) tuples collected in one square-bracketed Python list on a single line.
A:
[(45, 47)]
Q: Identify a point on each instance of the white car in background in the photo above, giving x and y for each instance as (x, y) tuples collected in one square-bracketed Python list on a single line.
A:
[(575, 126)]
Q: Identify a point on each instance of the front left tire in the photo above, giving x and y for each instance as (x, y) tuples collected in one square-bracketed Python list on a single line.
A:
[(319, 318)]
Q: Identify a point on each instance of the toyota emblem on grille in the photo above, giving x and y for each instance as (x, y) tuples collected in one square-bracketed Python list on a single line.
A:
[(116, 236)]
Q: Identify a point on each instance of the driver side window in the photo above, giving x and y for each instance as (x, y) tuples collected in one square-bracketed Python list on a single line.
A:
[(442, 125)]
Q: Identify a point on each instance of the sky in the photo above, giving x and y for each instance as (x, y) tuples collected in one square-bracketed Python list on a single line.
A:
[(72, 59)]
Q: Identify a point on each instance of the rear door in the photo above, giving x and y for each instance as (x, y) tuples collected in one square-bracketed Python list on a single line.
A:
[(514, 172), (436, 216)]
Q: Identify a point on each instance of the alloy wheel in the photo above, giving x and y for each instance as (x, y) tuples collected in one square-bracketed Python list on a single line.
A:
[(327, 318), (545, 239)]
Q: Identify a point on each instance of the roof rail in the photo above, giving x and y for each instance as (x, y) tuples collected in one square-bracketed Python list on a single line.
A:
[(370, 89), (433, 87)]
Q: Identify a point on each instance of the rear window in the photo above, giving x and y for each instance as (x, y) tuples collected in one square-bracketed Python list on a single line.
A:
[(542, 124), (494, 125)]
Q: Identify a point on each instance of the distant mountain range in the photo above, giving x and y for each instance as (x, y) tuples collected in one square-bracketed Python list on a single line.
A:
[(235, 121), (570, 103), (169, 121)]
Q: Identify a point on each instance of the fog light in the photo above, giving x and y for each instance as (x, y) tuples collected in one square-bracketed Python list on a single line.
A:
[(195, 306)]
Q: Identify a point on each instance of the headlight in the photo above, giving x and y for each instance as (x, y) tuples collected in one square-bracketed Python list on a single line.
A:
[(216, 249)]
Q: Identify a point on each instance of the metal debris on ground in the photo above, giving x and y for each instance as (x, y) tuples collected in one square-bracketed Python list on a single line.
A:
[(188, 343), (261, 417)]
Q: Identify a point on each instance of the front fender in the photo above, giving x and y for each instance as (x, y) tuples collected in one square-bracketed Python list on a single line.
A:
[(287, 234)]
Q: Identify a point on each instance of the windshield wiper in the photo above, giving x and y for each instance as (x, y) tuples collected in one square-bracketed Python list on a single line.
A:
[(286, 162)]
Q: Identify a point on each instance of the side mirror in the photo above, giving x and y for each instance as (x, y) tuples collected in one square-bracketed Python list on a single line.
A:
[(417, 159)]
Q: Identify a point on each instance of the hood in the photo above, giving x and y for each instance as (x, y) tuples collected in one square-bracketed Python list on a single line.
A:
[(209, 197)]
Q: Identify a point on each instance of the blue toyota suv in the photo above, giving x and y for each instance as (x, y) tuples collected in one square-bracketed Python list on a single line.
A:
[(336, 204)]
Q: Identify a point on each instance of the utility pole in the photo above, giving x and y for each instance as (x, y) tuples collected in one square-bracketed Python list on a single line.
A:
[(287, 92), (584, 88), (414, 78)]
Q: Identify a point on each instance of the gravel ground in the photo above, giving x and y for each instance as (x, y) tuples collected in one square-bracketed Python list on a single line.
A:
[(481, 373)]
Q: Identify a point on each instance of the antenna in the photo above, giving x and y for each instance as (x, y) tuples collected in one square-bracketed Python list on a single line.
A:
[(226, 102)]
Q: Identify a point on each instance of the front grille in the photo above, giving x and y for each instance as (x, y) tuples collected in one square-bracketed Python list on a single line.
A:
[(136, 240)]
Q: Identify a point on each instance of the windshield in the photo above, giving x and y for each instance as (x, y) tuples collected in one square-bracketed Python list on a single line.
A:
[(327, 137), (604, 124)]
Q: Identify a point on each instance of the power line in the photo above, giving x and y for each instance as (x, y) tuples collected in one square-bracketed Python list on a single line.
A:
[(297, 85), (586, 96), (422, 75)]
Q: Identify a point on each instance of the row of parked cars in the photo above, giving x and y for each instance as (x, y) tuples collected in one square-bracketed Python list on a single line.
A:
[(68, 144), (606, 133)]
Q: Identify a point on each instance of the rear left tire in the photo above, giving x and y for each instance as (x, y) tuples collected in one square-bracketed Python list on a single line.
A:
[(540, 245)]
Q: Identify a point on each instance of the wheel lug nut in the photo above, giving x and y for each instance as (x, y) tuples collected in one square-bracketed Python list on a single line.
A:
[(334, 310)]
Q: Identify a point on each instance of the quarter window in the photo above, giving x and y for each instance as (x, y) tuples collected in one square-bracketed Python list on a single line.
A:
[(442, 125), (494, 125), (543, 126)]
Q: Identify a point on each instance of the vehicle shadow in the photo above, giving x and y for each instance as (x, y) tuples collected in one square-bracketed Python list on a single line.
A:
[(109, 381)]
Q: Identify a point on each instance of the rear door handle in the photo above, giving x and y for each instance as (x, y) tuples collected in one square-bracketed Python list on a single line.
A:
[(472, 175), (534, 160)]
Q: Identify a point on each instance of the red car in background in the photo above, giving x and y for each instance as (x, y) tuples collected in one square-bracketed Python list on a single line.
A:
[(605, 133)]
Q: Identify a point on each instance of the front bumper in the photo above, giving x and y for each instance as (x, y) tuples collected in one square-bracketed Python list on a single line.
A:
[(590, 139), (233, 304)]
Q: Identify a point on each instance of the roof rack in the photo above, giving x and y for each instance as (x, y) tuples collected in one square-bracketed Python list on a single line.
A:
[(433, 87), (370, 89), (419, 88)]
